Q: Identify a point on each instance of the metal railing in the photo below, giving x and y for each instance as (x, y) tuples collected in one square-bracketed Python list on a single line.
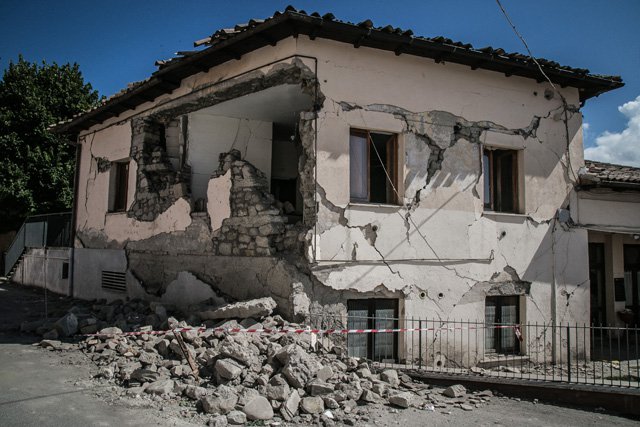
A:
[(38, 231), (595, 355)]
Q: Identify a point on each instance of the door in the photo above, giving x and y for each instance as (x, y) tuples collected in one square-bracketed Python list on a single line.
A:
[(632, 280), (596, 279)]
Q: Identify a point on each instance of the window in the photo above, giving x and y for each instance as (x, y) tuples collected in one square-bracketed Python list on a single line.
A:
[(501, 310), (500, 170), (373, 167), (65, 270), (118, 186), (373, 314)]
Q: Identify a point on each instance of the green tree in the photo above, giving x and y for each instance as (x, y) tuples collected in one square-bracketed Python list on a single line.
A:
[(37, 165)]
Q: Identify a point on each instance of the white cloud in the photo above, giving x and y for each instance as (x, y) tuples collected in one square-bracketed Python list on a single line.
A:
[(585, 132), (623, 147)]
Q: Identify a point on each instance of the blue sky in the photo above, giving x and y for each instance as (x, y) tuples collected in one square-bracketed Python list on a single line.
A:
[(117, 41)]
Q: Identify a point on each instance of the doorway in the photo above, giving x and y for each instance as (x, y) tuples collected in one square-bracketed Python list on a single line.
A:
[(632, 280), (598, 314)]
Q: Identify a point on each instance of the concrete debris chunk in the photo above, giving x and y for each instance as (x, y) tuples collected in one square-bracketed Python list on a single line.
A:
[(278, 392), (223, 402), (67, 325), (161, 387), (390, 376), (241, 310), (220, 421), (111, 331), (145, 375), (312, 405), (403, 400), (290, 407), (236, 418), (258, 408), (325, 373), (195, 392), (299, 367), (228, 369), (455, 391), (54, 344), (317, 388)]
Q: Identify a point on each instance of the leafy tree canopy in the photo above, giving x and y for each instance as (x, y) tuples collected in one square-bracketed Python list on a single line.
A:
[(36, 165)]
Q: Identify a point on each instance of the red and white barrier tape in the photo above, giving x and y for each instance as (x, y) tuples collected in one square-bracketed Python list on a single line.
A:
[(516, 329)]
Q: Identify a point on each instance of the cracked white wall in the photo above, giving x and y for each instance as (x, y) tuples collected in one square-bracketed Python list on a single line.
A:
[(210, 135), (93, 217), (445, 243)]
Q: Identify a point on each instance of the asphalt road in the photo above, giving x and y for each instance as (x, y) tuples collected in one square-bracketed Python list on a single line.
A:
[(45, 388), (41, 388)]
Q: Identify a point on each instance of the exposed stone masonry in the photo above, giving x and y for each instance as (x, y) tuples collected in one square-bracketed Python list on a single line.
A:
[(158, 186), (103, 164), (256, 225)]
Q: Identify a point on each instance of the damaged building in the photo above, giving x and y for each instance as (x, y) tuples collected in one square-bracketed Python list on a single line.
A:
[(344, 170)]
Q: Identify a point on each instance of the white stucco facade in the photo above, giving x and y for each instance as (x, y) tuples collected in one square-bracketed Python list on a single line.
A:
[(227, 211)]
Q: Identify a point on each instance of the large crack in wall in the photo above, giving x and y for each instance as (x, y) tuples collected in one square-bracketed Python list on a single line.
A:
[(439, 131), (159, 185)]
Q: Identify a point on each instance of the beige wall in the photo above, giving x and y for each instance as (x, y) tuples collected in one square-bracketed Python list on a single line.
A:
[(603, 208), (446, 245), (43, 268)]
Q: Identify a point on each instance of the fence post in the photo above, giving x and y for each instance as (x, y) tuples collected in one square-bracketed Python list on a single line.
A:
[(569, 351), (420, 342)]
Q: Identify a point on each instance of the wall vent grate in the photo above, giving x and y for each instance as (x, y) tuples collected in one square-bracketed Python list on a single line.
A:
[(114, 281)]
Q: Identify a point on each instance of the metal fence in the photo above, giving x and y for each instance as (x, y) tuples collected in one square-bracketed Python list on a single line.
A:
[(596, 355), (38, 231)]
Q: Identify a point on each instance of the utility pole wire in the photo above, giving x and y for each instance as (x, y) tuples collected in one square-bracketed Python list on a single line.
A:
[(565, 105), (526, 46)]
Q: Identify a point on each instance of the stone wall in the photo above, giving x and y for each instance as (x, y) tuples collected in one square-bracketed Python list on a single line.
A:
[(158, 185), (256, 226)]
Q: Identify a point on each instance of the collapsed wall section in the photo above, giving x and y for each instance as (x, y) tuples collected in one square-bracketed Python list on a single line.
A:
[(158, 184), (255, 225), (165, 242)]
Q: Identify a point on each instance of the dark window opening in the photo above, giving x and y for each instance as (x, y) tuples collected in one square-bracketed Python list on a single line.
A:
[(597, 283), (119, 186), (65, 270), (373, 167), (501, 311), (500, 170), (373, 314), (162, 137), (286, 150)]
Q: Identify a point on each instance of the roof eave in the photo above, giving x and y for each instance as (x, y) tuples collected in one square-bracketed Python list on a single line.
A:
[(289, 24)]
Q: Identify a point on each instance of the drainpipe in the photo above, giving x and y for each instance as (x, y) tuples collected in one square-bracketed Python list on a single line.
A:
[(553, 293), (74, 210)]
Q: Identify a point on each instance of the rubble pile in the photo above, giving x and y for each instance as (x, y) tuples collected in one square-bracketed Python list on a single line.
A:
[(235, 378)]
